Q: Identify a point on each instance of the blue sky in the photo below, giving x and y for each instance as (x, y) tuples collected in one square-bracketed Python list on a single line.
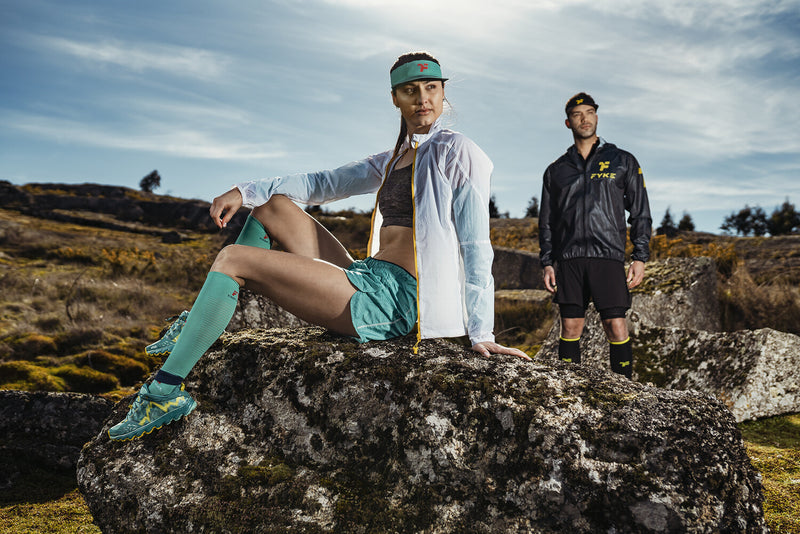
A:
[(704, 94)]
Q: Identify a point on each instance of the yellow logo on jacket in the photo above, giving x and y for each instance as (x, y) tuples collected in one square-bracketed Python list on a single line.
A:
[(603, 175)]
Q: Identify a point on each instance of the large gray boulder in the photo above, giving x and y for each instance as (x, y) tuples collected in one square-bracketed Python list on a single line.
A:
[(680, 293), (516, 269), (255, 311), (754, 372), (301, 431)]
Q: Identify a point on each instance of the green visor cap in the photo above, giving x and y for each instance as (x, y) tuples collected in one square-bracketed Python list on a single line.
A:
[(416, 70)]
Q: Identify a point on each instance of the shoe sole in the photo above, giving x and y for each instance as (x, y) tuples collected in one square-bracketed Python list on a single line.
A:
[(160, 353), (147, 429)]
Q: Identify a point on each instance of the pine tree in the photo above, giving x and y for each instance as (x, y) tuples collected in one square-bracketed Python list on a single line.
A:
[(493, 212), (784, 220), (532, 211), (667, 227), (686, 224)]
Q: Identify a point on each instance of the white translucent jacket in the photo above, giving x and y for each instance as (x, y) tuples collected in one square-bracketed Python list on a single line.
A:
[(453, 250)]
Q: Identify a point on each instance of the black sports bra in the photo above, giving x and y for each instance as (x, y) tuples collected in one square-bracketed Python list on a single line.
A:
[(395, 200)]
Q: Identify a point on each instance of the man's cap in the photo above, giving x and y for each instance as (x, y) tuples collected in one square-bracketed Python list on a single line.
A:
[(579, 99), (417, 69)]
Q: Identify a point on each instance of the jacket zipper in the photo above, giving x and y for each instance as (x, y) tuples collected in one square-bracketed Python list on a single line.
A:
[(587, 184), (414, 239)]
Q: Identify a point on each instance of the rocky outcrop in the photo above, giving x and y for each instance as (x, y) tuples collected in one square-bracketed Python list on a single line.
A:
[(516, 269), (46, 429), (255, 311), (679, 293), (754, 372), (301, 431)]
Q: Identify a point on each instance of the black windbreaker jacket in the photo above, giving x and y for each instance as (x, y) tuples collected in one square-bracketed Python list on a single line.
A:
[(583, 206)]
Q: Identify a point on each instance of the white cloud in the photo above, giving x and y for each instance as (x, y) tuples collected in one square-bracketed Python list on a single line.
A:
[(140, 57), (154, 137)]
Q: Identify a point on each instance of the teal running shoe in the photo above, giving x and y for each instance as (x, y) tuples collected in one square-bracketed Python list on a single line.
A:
[(168, 340), (151, 411)]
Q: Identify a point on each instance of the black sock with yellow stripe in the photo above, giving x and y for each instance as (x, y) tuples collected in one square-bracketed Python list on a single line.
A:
[(622, 357), (569, 350)]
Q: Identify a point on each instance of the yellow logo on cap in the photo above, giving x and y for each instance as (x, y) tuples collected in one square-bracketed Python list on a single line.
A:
[(578, 102)]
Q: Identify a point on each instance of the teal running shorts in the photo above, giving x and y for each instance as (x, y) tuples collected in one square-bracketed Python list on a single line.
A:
[(385, 303)]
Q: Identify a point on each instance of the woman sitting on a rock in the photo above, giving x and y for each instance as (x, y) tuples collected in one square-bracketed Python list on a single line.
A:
[(430, 261)]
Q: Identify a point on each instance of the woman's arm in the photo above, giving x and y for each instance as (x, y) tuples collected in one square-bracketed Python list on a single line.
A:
[(471, 220), (355, 178)]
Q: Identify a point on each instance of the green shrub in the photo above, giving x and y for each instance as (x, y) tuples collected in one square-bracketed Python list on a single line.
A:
[(85, 380), (30, 345), (49, 322), (127, 370), (28, 377), (73, 255), (70, 341)]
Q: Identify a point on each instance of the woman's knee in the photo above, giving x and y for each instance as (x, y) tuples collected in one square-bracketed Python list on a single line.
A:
[(227, 259)]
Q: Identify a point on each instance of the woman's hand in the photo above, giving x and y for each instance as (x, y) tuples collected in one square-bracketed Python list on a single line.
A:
[(225, 206), (487, 348)]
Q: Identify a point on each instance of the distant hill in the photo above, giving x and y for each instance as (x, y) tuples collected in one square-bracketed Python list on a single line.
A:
[(86, 203)]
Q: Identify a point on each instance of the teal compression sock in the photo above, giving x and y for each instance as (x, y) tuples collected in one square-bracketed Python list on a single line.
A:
[(622, 357), (254, 234), (211, 313)]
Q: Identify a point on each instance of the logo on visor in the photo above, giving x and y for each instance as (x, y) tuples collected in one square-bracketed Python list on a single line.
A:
[(422, 67)]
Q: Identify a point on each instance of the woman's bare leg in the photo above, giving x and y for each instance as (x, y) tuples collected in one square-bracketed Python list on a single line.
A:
[(312, 289), (299, 233)]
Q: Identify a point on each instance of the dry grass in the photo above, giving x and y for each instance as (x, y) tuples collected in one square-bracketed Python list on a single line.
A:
[(78, 304), (759, 277)]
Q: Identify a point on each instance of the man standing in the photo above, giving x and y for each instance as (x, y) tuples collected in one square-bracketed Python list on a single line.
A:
[(582, 231)]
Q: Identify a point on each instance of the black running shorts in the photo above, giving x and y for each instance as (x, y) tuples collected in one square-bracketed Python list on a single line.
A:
[(602, 281)]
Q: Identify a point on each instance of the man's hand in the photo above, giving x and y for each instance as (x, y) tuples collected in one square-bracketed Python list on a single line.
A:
[(487, 348), (225, 206), (549, 276), (635, 274)]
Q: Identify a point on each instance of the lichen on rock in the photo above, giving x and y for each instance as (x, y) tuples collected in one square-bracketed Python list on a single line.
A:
[(303, 431)]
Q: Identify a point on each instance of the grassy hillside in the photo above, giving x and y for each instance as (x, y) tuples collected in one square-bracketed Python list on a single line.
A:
[(81, 297)]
